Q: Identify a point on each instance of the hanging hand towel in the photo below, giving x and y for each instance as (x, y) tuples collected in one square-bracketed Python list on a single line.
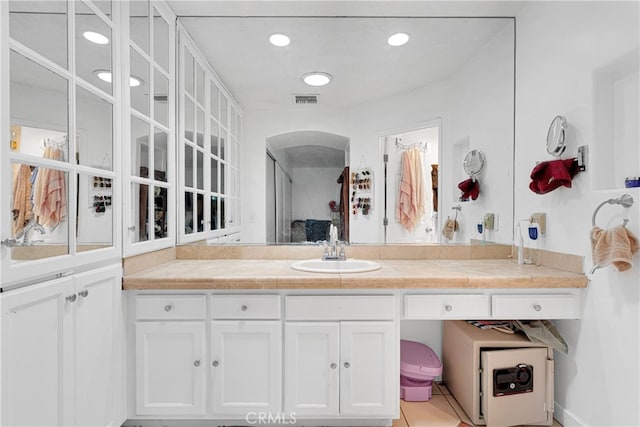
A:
[(547, 176), (450, 227), (616, 246), (470, 189), (21, 200)]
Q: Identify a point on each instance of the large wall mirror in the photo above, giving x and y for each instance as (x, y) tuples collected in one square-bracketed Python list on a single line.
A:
[(447, 91)]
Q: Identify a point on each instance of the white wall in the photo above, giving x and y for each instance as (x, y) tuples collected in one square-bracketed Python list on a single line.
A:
[(559, 47), (480, 118), (313, 189)]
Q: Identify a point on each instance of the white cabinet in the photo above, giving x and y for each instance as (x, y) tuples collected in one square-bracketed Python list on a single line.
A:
[(170, 368), (37, 327), (170, 362), (312, 357), (341, 356), (246, 367), (367, 379), (341, 368), (60, 340)]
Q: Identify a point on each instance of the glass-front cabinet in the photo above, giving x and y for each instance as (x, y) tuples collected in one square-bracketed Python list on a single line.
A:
[(60, 103), (209, 140), (149, 204)]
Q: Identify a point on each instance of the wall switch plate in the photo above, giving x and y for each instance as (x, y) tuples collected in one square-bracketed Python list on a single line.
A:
[(540, 219), (489, 221), (583, 157)]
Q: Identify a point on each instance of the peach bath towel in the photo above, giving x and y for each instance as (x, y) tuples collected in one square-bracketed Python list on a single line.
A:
[(616, 246), (410, 207)]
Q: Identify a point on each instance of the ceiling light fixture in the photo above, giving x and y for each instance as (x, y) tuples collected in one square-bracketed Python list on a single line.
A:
[(279, 40), (96, 38), (398, 39), (317, 78), (105, 76)]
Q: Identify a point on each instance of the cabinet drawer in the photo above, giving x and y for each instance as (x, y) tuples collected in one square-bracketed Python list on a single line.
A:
[(334, 307), (154, 307), (446, 306), (245, 306), (544, 306)]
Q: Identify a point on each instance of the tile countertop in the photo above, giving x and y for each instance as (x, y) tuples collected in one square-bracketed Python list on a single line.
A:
[(184, 274)]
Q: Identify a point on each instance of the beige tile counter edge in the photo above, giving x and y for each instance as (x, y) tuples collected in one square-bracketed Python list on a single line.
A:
[(395, 274)]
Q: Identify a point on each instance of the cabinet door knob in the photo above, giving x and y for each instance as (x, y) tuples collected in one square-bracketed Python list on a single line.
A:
[(448, 308), (168, 307), (215, 363), (244, 308), (537, 307), (333, 366), (347, 364), (83, 293), (196, 363), (72, 298)]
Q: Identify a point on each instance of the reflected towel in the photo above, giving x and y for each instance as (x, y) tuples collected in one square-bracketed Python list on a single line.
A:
[(450, 227), (616, 246), (547, 176), (50, 194), (21, 199), (410, 207), (470, 189)]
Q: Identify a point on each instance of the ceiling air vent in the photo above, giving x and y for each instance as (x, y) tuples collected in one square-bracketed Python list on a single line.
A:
[(305, 99)]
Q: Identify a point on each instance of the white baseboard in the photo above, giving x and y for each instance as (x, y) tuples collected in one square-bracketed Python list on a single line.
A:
[(566, 418)]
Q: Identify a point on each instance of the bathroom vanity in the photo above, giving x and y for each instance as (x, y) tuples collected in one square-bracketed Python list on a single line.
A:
[(228, 339)]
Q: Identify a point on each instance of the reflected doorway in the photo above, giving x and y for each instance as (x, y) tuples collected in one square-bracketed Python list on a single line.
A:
[(418, 224), (307, 187)]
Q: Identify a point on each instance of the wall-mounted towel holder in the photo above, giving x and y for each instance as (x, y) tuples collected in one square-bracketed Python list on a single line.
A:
[(625, 200)]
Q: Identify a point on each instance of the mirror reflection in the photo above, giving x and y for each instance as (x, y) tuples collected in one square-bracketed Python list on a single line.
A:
[(456, 72)]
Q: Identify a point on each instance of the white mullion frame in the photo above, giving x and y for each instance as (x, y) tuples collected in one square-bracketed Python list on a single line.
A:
[(16, 272), (95, 9), (153, 243), (72, 139), (210, 77)]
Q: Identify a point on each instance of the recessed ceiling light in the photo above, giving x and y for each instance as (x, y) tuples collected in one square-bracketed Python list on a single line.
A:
[(279, 40), (96, 38), (105, 76), (398, 39), (317, 78)]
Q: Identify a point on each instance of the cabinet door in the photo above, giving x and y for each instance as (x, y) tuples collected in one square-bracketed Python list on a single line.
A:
[(170, 368), (246, 367), (98, 365), (369, 373), (311, 368), (37, 355)]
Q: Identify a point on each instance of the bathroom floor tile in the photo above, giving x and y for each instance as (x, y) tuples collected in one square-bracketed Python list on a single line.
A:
[(443, 410)]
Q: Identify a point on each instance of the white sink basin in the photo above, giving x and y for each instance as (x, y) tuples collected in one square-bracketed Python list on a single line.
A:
[(335, 266)]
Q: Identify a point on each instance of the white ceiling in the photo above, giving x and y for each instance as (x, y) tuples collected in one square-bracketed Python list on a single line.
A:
[(353, 50)]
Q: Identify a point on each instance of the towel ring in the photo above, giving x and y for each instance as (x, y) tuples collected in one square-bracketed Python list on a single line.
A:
[(625, 200)]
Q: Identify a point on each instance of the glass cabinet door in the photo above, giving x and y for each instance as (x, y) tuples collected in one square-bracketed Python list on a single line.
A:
[(61, 181), (210, 129)]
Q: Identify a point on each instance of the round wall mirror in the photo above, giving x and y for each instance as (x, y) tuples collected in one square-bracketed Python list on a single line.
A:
[(474, 163), (555, 136)]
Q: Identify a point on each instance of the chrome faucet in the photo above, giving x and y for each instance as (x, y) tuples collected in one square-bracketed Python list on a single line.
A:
[(330, 248), (26, 232)]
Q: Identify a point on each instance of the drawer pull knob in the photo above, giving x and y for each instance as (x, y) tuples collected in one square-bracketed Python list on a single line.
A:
[(168, 307), (215, 363), (448, 308), (83, 293), (537, 307), (72, 298), (347, 365), (244, 308), (333, 366), (196, 363)]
